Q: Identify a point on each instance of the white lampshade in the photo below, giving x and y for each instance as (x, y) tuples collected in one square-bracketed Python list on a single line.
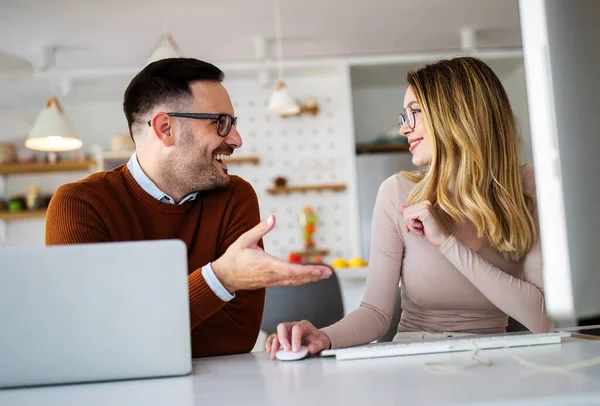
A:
[(282, 102), (52, 131), (166, 48)]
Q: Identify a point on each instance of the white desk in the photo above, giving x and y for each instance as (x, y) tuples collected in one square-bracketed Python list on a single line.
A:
[(253, 379)]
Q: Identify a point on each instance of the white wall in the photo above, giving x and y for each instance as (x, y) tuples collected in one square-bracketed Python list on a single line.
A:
[(517, 93), (378, 95), (372, 170), (377, 99)]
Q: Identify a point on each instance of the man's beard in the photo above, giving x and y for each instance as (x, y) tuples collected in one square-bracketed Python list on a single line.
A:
[(194, 173), (195, 176), (214, 179)]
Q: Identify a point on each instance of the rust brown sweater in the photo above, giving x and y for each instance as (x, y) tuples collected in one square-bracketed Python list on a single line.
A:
[(111, 206)]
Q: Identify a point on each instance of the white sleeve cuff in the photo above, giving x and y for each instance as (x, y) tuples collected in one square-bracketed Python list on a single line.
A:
[(215, 285)]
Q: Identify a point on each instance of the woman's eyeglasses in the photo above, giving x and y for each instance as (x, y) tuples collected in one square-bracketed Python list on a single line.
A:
[(224, 121), (409, 117)]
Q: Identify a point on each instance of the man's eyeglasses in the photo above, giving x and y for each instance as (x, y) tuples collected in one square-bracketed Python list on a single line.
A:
[(409, 117), (224, 121)]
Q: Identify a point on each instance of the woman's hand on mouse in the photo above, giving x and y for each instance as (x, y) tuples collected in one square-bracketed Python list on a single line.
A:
[(290, 336), (420, 219)]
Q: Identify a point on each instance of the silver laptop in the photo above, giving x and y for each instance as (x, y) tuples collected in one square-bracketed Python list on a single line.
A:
[(93, 312)]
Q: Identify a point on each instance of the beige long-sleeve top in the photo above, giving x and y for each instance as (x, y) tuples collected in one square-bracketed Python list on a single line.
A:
[(465, 285)]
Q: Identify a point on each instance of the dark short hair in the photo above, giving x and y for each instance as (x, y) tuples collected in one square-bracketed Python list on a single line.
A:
[(166, 81)]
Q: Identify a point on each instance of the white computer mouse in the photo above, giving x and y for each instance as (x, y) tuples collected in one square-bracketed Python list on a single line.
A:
[(283, 355)]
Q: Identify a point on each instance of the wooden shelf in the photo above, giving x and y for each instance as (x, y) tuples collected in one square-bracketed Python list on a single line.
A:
[(368, 149), (308, 188), (311, 253), (66, 166), (22, 215), (243, 160)]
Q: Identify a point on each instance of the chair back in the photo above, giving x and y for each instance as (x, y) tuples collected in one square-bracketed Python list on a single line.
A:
[(318, 302)]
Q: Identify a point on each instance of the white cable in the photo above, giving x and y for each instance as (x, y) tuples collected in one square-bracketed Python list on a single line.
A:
[(449, 366), (163, 12), (278, 38), (557, 368)]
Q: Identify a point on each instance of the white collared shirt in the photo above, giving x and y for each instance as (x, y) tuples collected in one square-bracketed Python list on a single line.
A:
[(150, 187)]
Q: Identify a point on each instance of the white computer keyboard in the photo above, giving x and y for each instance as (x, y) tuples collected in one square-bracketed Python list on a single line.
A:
[(453, 344)]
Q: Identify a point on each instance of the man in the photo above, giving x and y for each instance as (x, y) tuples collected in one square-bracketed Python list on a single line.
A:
[(176, 186)]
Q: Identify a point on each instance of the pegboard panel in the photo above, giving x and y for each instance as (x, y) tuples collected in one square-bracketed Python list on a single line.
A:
[(306, 150)]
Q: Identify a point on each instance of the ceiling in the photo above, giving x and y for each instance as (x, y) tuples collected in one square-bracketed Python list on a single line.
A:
[(113, 33), (108, 35), (392, 75)]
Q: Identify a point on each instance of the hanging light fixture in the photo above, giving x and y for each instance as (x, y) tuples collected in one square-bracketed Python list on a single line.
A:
[(281, 102), (166, 48), (52, 131)]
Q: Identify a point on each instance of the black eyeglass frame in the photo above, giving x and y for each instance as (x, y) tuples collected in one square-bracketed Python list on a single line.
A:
[(404, 119), (208, 116)]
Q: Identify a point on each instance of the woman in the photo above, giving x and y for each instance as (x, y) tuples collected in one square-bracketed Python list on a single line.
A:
[(461, 235)]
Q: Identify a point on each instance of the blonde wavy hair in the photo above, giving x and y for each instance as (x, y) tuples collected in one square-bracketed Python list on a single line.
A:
[(474, 143)]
